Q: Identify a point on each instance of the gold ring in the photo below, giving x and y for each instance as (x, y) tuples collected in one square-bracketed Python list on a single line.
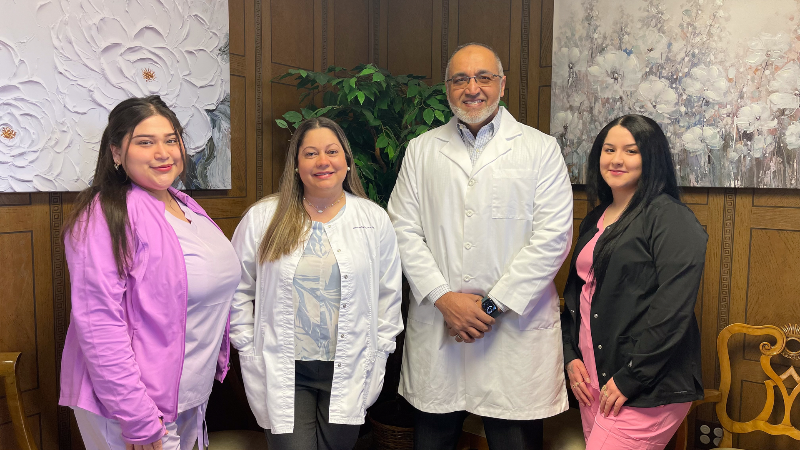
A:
[(459, 338)]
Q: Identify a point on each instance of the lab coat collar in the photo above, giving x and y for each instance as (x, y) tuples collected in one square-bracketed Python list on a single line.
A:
[(455, 150)]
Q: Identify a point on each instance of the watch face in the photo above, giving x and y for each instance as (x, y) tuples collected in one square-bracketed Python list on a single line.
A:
[(489, 307)]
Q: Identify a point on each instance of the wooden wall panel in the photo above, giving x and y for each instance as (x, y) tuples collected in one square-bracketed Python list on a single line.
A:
[(293, 33), (773, 269), (474, 18), (26, 322), (410, 38), (351, 31), (236, 17)]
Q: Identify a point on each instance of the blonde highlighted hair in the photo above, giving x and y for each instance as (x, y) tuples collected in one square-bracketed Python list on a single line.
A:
[(290, 221)]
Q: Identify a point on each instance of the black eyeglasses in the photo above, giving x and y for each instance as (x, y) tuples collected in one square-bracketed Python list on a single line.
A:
[(482, 80)]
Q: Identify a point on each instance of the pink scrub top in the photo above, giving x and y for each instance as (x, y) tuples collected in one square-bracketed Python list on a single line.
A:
[(583, 265)]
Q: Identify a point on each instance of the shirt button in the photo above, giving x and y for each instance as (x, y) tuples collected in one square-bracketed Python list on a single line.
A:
[(472, 182), (600, 346), (604, 374), (338, 250), (344, 306), (341, 335), (470, 213), (466, 277), (467, 246), (572, 311), (340, 365), (345, 277), (595, 316)]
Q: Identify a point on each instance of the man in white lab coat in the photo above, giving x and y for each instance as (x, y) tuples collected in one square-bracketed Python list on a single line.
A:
[(483, 214)]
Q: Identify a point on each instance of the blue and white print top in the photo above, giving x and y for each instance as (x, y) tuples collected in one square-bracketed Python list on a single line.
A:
[(316, 292)]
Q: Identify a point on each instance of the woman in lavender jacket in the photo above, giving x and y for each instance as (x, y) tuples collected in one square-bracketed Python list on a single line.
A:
[(152, 280)]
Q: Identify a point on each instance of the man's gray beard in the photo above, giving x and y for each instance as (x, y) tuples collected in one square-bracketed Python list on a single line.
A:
[(475, 117)]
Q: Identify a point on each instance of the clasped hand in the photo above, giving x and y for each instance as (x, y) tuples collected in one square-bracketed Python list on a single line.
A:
[(463, 316)]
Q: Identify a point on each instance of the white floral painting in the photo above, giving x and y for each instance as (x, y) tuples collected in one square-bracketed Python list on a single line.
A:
[(721, 77), (64, 64)]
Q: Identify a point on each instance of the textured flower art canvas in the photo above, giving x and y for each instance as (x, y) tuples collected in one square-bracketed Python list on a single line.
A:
[(64, 64), (721, 77)]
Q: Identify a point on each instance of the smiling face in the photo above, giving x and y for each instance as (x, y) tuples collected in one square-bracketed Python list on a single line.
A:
[(620, 161), (475, 105), (152, 155), (321, 163)]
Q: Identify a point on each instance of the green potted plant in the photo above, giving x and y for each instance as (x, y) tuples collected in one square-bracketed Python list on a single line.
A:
[(379, 112)]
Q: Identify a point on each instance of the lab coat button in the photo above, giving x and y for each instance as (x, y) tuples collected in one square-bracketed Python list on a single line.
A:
[(469, 213), (467, 246), (472, 182), (466, 277)]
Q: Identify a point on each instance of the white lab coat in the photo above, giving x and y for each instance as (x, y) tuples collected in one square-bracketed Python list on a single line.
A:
[(502, 227), (262, 314)]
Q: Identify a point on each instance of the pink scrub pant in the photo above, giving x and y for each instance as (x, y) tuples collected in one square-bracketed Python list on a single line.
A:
[(633, 429)]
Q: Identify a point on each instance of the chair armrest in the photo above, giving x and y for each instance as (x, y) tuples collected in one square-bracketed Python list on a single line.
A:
[(709, 396)]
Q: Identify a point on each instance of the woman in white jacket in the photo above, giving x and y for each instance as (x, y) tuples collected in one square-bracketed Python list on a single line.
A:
[(318, 307)]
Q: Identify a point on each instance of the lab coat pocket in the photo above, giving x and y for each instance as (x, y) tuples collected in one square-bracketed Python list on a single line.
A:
[(376, 377), (254, 375), (422, 312), (512, 193)]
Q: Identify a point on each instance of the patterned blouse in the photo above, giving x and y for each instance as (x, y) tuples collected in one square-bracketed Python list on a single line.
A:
[(316, 294)]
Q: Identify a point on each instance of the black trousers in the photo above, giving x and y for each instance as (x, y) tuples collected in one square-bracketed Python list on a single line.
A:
[(312, 399), (441, 432)]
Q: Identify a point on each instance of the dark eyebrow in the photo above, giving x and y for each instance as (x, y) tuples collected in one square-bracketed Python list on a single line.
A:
[(151, 136), (625, 146)]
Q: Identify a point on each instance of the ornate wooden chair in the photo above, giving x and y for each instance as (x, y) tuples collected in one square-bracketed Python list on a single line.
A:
[(772, 382), (8, 371)]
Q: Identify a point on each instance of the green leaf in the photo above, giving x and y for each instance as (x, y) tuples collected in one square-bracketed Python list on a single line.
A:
[(321, 78), (293, 116), (373, 122), (286, 75), (428, 116), (421, 129), (302, 73), (377, 76), (282, 123), (373, 193), (329, 98), (390, 152), (413, 89), (402, 79), (353, 82), (322, 111), (361, 97), (352, 95), (440, 116), (307, 113), (367, 71), (382, 142)]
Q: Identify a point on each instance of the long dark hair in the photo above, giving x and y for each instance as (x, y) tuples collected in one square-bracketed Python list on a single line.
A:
[(111, 184), (658, 176), (290, 220)]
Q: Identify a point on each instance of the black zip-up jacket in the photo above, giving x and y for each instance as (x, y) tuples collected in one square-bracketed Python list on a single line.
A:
[(644, 330)]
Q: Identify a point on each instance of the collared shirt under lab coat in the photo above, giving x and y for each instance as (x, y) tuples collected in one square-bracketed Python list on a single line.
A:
[(262, 314), (502, 227)]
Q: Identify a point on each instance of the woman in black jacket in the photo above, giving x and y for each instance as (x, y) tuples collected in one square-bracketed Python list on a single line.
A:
[(630, 334)]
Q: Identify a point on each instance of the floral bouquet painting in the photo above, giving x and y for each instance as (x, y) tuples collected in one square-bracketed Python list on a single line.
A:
[(721, 77), (64, 64)]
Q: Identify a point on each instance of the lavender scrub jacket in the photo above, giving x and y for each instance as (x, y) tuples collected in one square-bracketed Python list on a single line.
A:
[(124, 349)]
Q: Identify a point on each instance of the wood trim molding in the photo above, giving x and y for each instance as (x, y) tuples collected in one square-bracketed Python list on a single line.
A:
[(376, 31), (445, 35), (324, 35), (524, 59), (259, 103), (728, 222), (60, 306)]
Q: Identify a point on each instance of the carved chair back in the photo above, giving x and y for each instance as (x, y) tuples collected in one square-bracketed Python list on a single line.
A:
[(8, 371)]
